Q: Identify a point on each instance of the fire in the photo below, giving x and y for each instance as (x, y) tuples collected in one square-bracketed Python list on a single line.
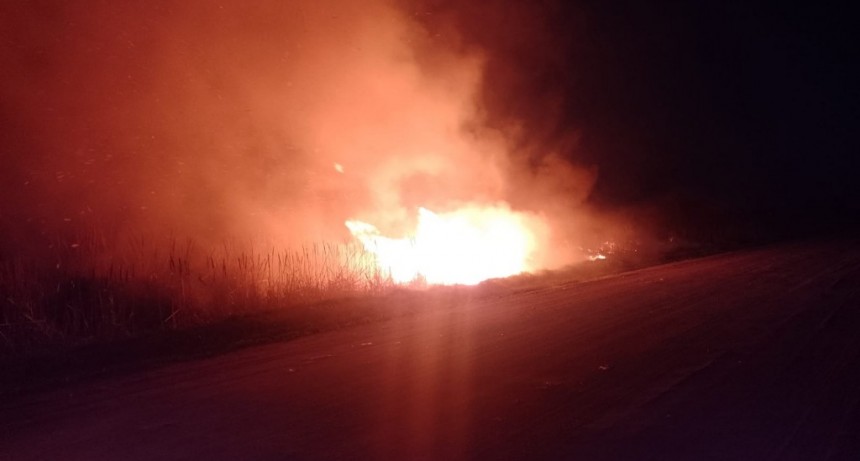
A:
[(465, 246)]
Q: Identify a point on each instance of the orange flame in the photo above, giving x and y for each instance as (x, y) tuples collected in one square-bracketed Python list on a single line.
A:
[(465, 246)]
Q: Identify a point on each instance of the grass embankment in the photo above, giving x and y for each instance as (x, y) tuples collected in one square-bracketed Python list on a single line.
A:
[(86, 310), (83, 292), (86, 304)]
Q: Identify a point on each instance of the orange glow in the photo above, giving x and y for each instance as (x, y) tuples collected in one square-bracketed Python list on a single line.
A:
[(465, 246)]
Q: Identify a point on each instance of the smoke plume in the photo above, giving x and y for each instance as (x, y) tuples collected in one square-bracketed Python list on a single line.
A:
[(271, 121)]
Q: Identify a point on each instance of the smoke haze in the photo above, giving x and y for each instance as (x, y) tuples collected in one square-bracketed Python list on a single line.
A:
[(271, 121)]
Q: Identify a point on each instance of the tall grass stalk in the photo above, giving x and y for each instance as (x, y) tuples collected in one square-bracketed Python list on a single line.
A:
[(86, 291)]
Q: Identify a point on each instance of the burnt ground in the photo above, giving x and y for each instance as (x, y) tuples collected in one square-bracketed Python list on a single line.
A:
[(746, 355)]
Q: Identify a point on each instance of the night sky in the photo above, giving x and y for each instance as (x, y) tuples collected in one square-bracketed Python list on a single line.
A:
[(718, 113)]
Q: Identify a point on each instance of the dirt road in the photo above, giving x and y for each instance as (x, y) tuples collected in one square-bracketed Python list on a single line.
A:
[(752, 355)]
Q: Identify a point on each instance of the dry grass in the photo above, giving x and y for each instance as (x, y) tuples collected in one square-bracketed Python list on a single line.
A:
[(89, 291), (89, 307)]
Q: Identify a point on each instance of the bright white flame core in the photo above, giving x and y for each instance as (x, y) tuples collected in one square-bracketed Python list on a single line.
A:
[(465, 246)]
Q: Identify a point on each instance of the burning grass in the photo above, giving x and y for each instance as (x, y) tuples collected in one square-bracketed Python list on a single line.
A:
[(86, 309), (91, 291)]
